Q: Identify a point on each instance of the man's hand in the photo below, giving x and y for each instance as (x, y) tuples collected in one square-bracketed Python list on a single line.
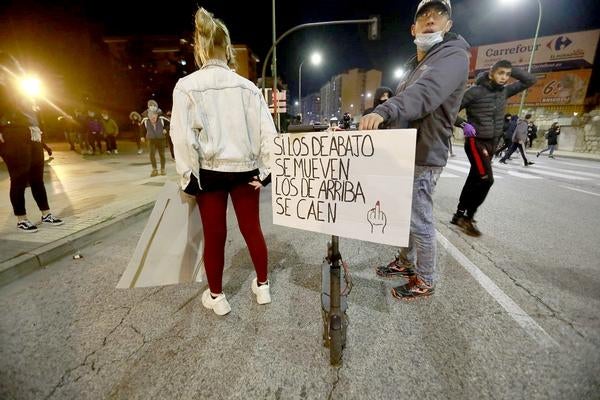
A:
[(370, 122), (469, 130), (1, 138)]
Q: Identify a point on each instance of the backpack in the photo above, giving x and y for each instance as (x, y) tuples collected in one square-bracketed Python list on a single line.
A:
[(520, 131)]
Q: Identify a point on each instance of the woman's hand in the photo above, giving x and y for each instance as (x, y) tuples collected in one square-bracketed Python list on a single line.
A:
[(255, 182)]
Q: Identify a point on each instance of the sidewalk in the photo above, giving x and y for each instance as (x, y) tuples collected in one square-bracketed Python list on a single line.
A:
[(94, 195)]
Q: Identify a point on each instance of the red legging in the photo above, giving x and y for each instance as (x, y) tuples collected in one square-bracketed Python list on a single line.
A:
[(213, 212)]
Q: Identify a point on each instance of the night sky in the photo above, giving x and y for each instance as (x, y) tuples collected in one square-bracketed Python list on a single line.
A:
[(479, 21)]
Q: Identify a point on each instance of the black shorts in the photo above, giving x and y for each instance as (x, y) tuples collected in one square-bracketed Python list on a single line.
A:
[(214, 181)]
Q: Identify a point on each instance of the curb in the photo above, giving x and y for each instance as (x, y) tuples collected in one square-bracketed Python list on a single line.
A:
[(31, 261)]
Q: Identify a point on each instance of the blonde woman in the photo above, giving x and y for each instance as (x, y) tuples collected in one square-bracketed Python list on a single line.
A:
[(222, 133)]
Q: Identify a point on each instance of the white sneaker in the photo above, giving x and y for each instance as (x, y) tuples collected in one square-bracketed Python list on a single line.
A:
[(262, 292), (220, 305), (140, 151)]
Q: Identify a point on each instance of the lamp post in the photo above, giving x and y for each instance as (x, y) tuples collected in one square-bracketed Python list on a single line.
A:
[(315, 59), (537, 31)]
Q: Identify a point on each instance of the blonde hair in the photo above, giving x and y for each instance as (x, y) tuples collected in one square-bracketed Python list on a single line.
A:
[(211, 33)]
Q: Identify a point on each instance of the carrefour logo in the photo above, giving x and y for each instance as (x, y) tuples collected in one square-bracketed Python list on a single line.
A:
[(560, 43)]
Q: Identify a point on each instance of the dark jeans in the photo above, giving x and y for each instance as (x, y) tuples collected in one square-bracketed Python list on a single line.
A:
[(111, 142), (93, 140), (154, 145), (481, 176), (25, 162), (170, 143), (512, 149)]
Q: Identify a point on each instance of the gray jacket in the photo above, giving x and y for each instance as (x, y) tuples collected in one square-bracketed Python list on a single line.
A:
[(520, 134), (429, 98)]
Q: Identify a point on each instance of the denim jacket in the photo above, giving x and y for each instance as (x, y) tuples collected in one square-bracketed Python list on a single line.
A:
[(220, 122)]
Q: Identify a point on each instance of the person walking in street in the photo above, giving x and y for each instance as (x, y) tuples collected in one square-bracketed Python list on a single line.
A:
[(552, 136), (531, 133), (155, 129), (222, 134), (508, 128), (111, 130), (21, 149), (428, 99), (518, 140), (485, 104)]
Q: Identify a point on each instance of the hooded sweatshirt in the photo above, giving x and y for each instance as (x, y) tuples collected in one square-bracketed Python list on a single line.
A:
[(486, 102), (377, 98), (429, 98)]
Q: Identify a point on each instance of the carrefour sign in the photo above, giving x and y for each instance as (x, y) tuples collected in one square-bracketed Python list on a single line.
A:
[(552, 53)]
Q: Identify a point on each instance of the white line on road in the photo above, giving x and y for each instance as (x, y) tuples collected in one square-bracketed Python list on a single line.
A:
[(580, 190), (569, 171), (521, 175), (448, 175), (556, 174), (517, 313), (456, 168), (577, 164)]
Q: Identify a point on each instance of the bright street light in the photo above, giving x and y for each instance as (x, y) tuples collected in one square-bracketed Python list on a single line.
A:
[(398, 73), (31, 86), (296, 103), (315, 59)]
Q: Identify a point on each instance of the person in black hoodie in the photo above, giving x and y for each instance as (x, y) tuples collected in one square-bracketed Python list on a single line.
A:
[(21, 147), (485, 103), (382, 94), (552, 136)]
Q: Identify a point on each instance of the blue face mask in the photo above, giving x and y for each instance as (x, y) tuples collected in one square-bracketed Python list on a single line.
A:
[(426, 41)]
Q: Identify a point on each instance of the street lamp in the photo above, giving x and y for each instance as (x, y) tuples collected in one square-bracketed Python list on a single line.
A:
[(398, 73), (315, 59), (31, 86), (537, 31)]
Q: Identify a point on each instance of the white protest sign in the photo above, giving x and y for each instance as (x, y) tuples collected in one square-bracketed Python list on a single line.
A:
[(353, 184)]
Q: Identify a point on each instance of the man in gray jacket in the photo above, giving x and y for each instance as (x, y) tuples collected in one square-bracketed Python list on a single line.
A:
[(519, 139), (428, 99)]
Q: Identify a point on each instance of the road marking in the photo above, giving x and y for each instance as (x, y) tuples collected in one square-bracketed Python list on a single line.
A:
[(580, 190), (456, 168), (556, 174), (517, 313), (448, 175), (521, 175), (577, 165), (569, 171)]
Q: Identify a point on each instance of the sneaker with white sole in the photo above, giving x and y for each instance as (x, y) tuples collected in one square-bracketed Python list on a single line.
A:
[(51, 220), (220, 305), (262, 292), (26, 226)]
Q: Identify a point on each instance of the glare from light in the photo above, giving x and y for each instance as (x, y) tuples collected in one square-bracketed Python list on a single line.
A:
[(183, 62), (316, 58), (369, 95), (508, 2), (296, 103), (31, 86), (398, 73)]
